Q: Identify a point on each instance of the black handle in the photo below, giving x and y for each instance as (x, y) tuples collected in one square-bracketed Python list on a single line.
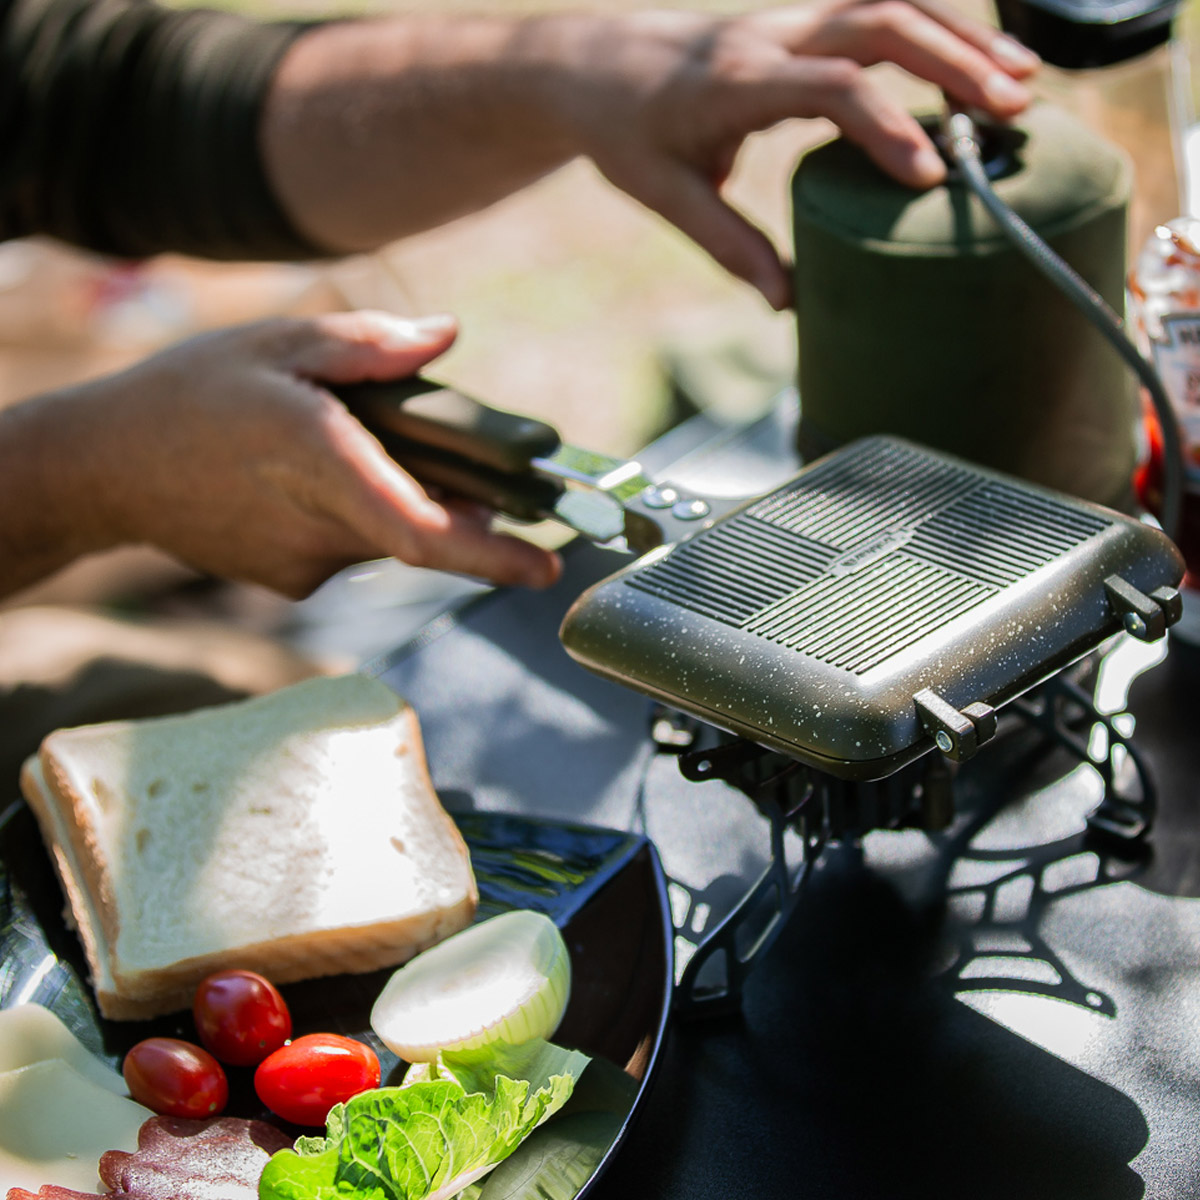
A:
[(520, 494), (454, 442), (427, 414)]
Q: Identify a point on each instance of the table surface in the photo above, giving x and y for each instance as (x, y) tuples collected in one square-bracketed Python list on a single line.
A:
[(867, 1061)]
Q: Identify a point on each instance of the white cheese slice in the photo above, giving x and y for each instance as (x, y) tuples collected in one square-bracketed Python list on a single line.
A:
[(55, 1124), (30, 1033)]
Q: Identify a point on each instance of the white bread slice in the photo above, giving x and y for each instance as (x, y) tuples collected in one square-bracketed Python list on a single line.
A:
[(296, 834)]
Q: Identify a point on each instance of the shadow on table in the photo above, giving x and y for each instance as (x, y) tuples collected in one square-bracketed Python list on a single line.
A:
[(852, 1073)]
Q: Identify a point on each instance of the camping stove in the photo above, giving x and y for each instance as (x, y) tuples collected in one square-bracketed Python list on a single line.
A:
[(807, 809)]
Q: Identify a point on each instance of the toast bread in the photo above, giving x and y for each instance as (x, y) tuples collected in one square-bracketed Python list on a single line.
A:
[(296, 834)]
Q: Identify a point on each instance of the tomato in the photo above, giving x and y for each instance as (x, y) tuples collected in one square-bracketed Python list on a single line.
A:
[(175, 1078), (241, 1017), (303, 1080)]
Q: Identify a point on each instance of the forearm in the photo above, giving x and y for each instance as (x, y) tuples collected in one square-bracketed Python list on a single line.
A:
[(52, 507), (132, 128), (373, 130)]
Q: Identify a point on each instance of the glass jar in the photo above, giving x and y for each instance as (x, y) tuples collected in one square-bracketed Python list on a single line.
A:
[(1164, 300)]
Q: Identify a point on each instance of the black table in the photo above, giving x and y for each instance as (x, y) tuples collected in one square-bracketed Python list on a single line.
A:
[(1008, 1009)]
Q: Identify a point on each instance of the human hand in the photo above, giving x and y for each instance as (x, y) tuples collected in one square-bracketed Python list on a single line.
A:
[(227, 452), (663, 101)]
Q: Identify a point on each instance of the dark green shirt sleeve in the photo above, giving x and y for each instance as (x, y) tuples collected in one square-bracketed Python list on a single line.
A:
[(131, 129)]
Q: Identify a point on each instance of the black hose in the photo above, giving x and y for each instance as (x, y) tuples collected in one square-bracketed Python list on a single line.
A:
[(962, 145)]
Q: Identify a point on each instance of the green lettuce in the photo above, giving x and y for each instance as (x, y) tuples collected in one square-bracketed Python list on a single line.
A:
[(449, 1123)]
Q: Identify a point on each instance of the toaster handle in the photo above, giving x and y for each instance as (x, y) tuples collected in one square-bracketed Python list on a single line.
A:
[(458, 443)]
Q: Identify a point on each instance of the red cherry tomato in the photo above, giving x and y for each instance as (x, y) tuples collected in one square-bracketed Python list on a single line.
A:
[(303, 1080), (241, 1017), (175, 1078)]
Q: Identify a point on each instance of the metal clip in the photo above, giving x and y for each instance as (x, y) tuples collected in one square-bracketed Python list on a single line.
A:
[(1144, 617), (956, 734)]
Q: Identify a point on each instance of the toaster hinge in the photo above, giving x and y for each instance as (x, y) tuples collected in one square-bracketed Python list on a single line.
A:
[(1144, 617), (957, 734)]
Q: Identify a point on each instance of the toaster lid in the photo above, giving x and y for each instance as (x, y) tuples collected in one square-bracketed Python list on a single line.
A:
[(885, 600)]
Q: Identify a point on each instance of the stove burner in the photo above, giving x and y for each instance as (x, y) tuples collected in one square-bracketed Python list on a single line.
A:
[(820, 809)]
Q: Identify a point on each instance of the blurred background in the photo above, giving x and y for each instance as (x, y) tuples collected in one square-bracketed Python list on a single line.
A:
[(575, 304)]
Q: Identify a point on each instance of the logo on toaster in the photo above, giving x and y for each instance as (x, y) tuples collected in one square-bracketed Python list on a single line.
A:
[(866, 553)]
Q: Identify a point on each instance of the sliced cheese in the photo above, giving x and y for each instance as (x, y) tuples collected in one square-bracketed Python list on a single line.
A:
[(30, 1033), (55, 1123)]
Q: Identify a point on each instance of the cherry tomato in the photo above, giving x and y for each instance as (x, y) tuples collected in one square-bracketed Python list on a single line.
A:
[(175, 1078), (241, 1017), (303, 1080)]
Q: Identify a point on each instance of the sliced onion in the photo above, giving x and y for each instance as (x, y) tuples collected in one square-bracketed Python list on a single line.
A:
[(505, 979)]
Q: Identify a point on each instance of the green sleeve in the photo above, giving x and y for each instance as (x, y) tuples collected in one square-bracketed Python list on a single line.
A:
[(131, 129)]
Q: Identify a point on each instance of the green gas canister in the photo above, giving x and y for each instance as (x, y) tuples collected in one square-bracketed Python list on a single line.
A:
[(917, 317)]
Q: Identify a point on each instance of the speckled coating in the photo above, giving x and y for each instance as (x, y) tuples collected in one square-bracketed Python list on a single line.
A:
[(809, 619)]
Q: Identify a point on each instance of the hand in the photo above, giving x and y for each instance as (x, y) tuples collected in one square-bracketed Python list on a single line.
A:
[(474, 108), (664, 101), (227, 452)]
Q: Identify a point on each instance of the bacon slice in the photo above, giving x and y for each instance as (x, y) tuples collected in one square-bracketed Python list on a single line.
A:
[(177, 1159)]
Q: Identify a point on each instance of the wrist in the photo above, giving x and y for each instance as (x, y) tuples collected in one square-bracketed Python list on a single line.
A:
[(602, 80), (558, 60), (53, 494)]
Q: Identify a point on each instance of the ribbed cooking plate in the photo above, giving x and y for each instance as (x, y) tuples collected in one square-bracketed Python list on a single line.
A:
[(855, 613)]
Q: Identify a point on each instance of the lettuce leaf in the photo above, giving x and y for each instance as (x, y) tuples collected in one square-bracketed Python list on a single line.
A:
[(449, 1123)]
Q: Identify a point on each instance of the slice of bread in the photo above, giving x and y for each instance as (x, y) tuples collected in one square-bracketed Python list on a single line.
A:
[(296, 834)]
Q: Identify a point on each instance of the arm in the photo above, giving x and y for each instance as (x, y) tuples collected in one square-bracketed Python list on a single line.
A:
[(132, 128), (372, 130), (225, 452)]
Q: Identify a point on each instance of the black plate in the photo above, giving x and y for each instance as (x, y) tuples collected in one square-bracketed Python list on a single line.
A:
[(604, 889)]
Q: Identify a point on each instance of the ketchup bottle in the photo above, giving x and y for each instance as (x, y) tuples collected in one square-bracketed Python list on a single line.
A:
[(1164, 291)]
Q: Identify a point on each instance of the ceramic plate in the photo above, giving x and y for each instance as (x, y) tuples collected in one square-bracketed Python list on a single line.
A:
[(604, 889)]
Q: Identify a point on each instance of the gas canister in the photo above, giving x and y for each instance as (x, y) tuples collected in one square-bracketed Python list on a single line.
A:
[(917, 317)]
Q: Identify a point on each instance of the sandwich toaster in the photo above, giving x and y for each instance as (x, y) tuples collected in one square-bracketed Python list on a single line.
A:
[(885, 601)]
